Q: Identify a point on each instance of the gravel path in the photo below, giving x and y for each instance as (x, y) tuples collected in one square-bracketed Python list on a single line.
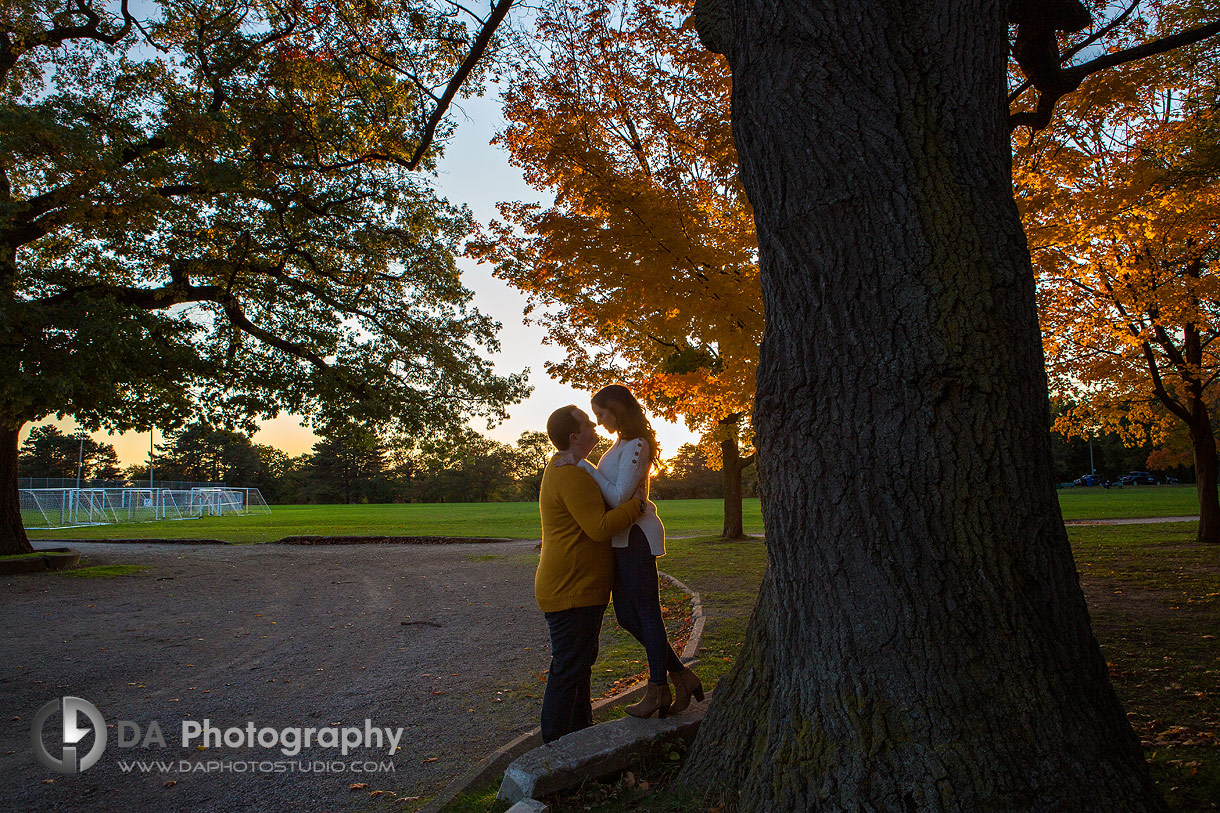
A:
[(283, 636)]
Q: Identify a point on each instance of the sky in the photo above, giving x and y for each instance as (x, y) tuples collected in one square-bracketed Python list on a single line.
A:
[(477, 174)]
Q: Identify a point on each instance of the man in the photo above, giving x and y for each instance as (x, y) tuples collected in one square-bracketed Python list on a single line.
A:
[(575, 571)]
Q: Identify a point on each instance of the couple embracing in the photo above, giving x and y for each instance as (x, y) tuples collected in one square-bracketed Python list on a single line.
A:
[(601, 534)]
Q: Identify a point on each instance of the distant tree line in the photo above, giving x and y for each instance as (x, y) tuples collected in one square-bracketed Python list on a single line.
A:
[(349, 464), (352, 464), (48, 452), (1115, 453)]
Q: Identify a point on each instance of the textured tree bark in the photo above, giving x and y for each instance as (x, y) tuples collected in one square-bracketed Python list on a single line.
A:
[(13, 538), (920, 640), (1203, 444)]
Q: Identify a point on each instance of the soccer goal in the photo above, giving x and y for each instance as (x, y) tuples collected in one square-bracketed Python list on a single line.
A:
[(48, 508)]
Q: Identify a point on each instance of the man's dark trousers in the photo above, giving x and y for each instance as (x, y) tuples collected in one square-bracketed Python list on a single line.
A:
[(566, 703)]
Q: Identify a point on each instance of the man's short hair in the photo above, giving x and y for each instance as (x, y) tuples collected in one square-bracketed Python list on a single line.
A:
[(561, 426)]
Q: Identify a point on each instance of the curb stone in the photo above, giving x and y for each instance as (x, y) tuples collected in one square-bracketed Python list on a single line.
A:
[(530, 806), (52, 559), (593, 753), (498, 761)]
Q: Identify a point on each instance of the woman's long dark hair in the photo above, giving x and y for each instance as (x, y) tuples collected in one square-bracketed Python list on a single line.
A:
[(632, 422)]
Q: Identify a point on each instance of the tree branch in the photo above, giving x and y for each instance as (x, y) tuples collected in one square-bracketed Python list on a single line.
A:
[(240, 321), (475, 54), (1037, 54), (1158, 386), (179, 291)]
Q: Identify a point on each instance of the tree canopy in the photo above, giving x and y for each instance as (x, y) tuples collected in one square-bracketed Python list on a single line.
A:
[(223, 207), (645, 268), (202, 453)]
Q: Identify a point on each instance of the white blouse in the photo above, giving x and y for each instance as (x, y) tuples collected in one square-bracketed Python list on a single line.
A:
[(621, 469)]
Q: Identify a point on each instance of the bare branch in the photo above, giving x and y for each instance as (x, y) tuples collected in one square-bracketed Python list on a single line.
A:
[(1037, 54), (468, 11), (472, 57), (1101, 32)]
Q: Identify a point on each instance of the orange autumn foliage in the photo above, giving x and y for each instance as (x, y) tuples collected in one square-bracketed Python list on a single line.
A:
[(1125, 242), (1121, 203), (645, 269)]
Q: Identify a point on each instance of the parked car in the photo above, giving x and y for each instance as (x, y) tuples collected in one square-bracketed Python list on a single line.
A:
[(1088, 480), (1139, 478)]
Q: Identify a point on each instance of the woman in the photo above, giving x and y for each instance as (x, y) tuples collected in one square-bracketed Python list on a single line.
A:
[(637, 604)]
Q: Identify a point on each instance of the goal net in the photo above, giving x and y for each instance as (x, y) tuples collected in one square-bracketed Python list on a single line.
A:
[(48, 508)]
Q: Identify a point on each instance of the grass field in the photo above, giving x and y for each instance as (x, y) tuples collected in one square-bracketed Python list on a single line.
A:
[(520, 519)]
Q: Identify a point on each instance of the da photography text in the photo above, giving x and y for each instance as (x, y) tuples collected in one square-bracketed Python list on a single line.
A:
[(80, 718)]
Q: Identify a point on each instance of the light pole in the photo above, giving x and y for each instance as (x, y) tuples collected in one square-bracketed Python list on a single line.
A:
[(152, 496), (80, 465), (80, 457)]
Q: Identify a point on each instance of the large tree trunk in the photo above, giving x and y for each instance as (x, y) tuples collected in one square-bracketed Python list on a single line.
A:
[(13, 538), (1203, 443), (920, 640), (732, 465)]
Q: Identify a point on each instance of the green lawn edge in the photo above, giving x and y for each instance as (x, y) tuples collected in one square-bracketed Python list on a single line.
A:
[(519, 520)]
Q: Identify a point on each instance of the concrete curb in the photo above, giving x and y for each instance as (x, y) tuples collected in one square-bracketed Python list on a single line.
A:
[(697, 616), (594, 753), (530, 806), (51, 559), (498, 761)]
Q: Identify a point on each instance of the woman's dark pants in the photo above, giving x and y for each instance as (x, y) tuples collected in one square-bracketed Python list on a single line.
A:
[(566, 703), (637, 604)]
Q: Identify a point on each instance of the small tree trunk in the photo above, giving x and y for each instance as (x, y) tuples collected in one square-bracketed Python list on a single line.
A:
[(732, 465), (730, 471), (13, 538), (1203, 442)]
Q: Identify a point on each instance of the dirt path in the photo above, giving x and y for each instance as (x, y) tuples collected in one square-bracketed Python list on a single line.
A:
[(1131, 521), (283, 636)]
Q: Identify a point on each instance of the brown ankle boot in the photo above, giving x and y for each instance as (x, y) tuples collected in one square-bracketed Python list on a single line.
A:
[(686, 684), (656, 698)]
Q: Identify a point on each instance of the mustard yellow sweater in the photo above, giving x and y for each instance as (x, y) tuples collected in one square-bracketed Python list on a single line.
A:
[(576, 568)]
